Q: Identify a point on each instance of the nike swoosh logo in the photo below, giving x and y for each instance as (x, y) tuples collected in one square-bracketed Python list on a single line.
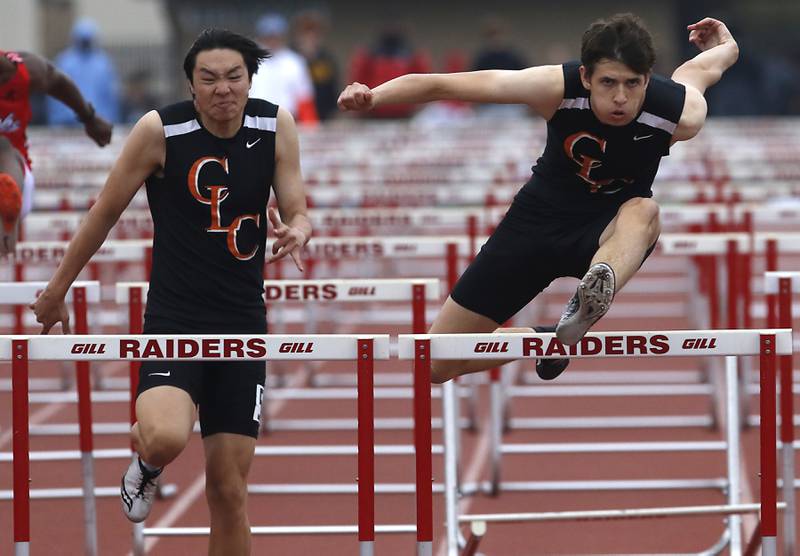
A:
[(640, 137), (249, 144), (160, 374)]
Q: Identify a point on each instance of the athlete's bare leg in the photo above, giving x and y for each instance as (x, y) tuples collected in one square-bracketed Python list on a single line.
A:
[(228, 459), (623, 245), (12, 177), (455, 319), (165, 417), (627, 238)]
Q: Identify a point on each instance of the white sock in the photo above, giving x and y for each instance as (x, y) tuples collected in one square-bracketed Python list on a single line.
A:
[(150, 468)]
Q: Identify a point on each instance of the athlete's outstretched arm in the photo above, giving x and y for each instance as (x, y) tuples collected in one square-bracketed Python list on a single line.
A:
[(48, 79), (719, 52), (142, 155), (292, 226), (540, 87)]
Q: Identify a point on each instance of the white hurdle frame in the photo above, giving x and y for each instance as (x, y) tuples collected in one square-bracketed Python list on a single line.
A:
[(768, 344), (363, 349)]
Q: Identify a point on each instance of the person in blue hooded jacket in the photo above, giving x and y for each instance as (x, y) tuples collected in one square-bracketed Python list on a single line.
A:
[(92, 70)]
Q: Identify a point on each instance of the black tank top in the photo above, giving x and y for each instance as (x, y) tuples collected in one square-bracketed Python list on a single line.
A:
[(210, 224), (588, 165)]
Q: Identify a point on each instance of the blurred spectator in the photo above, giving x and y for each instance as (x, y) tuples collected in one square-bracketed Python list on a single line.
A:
[(92, 71), (310, 28), (392, 56), (497, 52), (283, 78), (138, 98), (436, 113)]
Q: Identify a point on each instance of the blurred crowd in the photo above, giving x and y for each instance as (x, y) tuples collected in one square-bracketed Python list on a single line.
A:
[(305, 77)]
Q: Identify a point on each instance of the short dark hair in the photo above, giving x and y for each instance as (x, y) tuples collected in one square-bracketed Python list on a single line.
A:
[(211, 39), (622, 38)]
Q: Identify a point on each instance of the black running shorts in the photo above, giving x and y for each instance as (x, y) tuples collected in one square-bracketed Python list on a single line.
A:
[(228, 394), (533, 245)]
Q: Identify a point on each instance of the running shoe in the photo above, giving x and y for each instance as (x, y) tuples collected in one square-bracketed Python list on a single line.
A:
[(591, 301), (138, 490), (548, 369)]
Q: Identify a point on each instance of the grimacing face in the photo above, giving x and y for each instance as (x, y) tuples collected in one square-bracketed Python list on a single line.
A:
[(616, 91), (220, 84)]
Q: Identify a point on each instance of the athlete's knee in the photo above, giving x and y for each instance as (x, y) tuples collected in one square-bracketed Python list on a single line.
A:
[(227, 495), (5, 145), (160, 443), (642, 214), (642, 209)]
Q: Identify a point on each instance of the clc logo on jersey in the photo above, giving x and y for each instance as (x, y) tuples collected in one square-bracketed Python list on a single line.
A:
[(218, 194), (587, 162)]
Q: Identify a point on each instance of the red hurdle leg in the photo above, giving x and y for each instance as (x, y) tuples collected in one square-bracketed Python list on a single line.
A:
[(769, 487), (418, 324), (366, 449), (452, 266), (734, 293), (21, 448), (422, 446)]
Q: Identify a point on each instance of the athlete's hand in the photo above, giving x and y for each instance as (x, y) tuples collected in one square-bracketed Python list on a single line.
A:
[(708, 33), (99, 130), (290, 240), (49, 310), (356, 97)]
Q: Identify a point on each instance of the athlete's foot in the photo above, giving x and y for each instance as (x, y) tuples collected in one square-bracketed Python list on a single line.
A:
[(549, 369), (591, 301), (138, 490), (10, 208)]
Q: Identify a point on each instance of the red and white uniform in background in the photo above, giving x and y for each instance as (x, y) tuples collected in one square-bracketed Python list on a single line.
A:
[(284, 79), (15, 114)]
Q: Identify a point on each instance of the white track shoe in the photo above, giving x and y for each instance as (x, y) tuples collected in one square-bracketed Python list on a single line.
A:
[(591, 301), (138, 490)]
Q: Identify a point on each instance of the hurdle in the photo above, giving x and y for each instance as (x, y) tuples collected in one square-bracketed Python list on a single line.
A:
[(767, 344), (79, 294), (363, 349)]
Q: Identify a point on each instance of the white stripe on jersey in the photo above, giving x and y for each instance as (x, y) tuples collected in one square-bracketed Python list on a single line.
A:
[(263, 123), (581, 103), (182, 128), (657, 121)]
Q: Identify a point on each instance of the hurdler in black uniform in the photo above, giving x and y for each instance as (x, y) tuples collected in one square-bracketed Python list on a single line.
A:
[(587, 171), (210, 225)]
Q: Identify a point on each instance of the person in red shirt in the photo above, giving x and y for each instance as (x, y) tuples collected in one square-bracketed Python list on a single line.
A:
[(23, 73), (392, 56)]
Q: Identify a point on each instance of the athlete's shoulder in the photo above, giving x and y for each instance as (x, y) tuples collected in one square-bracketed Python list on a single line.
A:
[(665, 98), (178, 112), (573, 87), (260, 107)]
